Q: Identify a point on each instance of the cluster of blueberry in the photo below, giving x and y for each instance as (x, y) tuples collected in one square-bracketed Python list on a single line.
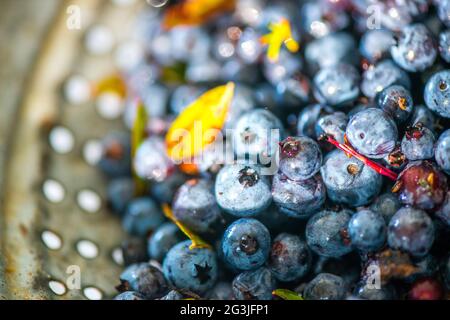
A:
[(324, 218)]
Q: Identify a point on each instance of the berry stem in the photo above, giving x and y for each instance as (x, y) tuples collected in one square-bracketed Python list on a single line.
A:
[(349, 150)]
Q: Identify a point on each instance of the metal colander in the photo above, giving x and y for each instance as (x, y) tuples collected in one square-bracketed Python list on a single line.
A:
[(54, 221)]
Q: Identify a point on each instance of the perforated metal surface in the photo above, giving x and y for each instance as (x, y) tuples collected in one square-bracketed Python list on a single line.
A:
[(54, 217)]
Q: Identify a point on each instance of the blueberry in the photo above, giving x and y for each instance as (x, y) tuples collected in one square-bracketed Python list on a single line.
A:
[(290, 258), (116, 150), (326, 233), (375, 44), (242, 102), (367, 292), (249, 47), (418, 143), (367, 230), (183, 96), (286, 65), (396, 101), (300, 158), (119, 193), (254, 285), (423, 115), (437, 93), (165, 190), (298, 199), (141, 217), (242, 191), (189, 43), (221, 291), (349, 181), (444, 45), (387, 205), (444, 211), (129, 295), (195, 205), (307, 120), (372, 133), (422, 185), (191, 269), (337, 85), (383, 75), (442, 151), (162, 240), (443, 11), (151, 161), (293, 91), (325, 286), (256, 134), (319, 20), (173, 295), (415, 49), (446, 271), (411, 230), (330, 50), (246, 244), (333, 124), (134, 250), (145, 279)]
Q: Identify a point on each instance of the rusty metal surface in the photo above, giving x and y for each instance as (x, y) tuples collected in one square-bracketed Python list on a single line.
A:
[(26, 265)]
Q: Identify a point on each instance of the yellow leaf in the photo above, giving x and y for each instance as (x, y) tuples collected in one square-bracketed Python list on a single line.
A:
[(114, 83), (197, 242), (138, 135), (198, 125), (280, 33), (287, 294)]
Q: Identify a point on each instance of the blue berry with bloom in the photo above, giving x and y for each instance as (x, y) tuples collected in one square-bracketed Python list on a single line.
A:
[(242, 190), (194, 270), (349, 181), (290, 258), (326, 286), (367, 230), (145, 279), (254, 285), (437, 93), (142, 217), (246, 244), (326, 233), (442, 151)]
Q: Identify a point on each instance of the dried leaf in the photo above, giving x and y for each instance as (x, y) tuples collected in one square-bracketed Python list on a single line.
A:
[(286, 294), (198, 125), (197, 242), (280, 33), (196, 12)]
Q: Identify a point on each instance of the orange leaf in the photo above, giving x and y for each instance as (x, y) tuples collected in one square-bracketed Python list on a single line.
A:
[(199, 124), (195, 12)]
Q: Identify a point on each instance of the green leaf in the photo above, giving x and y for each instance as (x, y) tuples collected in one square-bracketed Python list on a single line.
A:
[(286, 294), (138, 134)]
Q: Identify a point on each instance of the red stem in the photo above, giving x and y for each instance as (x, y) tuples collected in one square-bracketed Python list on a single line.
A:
[(375, 166)]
